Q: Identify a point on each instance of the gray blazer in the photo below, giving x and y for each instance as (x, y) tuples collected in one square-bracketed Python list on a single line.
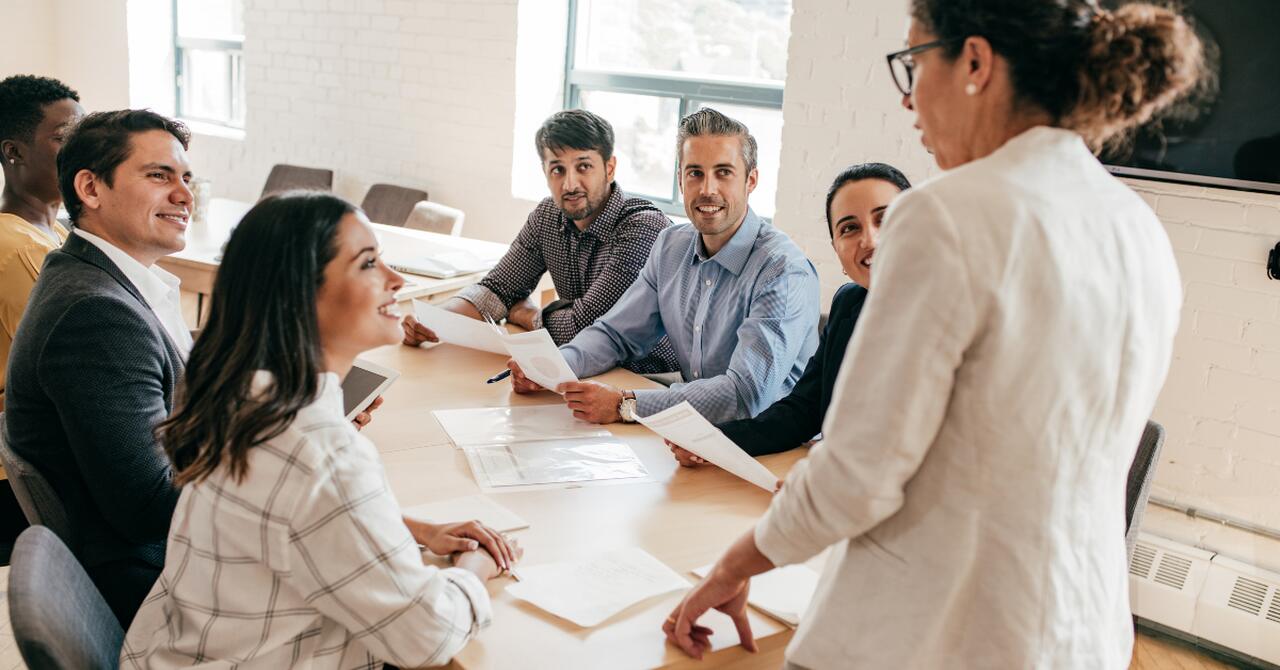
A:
[(91, 373)]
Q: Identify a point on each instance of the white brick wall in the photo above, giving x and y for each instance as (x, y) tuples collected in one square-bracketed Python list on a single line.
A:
[(1221, 403), (418, 93)]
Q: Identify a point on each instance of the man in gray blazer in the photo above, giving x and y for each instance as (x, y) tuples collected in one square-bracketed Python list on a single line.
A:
[(100, 350)]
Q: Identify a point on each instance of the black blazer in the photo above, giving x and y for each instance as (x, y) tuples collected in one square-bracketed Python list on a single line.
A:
[(91, 373), (797, 418)]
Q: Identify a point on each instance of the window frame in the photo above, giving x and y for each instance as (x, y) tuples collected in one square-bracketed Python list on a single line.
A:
[(692, 92), (235, 52)]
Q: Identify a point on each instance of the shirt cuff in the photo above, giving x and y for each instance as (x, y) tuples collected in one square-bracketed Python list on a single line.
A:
[(473, 589), (769, 540), (485, 300), (652, 401)]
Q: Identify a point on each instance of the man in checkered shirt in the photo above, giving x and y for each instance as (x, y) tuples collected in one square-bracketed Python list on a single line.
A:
[(588, 234)]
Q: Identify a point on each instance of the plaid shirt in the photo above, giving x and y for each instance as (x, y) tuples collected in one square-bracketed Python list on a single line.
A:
[(590, 269), (306, 563)]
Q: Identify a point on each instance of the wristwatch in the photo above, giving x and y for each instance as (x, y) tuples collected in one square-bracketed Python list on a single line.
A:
[(627, 408)]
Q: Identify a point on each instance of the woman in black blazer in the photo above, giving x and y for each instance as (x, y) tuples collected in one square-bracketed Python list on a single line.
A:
[(856, 203)]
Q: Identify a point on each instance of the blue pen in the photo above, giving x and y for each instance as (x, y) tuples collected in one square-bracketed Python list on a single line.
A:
[(499, 377)]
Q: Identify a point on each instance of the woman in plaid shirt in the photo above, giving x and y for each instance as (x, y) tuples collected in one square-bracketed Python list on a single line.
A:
[(287, 548)]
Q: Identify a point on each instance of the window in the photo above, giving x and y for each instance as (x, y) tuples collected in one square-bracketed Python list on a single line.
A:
[(209, 60), (643, 64)]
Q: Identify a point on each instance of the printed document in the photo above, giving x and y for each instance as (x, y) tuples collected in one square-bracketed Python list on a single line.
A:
[(553, 462), (507, 425), (683, 425), (590, 592), (458, 329), (539, 358)]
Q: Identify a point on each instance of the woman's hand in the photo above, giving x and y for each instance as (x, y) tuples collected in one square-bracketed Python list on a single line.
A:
[(450, 538), (720, 591), (482, 563)]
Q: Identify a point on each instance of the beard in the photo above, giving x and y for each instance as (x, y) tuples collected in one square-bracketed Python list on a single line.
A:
[(588, 209)]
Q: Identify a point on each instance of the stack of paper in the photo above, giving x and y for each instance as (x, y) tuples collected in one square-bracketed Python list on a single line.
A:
[(468, 508), (589, 592), (782, 593), (683, 425), (536, 353)]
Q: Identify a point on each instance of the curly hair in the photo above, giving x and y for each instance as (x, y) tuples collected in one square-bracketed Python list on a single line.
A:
[(1098, 72), (22, 101)]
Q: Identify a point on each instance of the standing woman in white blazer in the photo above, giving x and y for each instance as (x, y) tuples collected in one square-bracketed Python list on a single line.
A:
[(971, 483)]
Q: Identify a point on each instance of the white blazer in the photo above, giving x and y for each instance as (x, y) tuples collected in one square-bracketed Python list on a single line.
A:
[(972, 478)]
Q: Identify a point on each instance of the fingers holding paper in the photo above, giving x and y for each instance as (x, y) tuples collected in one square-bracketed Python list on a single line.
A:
[(592, 401), (519, 382), (718, 591), (415, 333), (685, 457)]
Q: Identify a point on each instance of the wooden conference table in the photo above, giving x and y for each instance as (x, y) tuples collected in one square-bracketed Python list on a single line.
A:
[(684, 517)]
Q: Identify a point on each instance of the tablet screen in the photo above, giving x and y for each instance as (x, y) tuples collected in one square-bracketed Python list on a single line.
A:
[(357, 388)]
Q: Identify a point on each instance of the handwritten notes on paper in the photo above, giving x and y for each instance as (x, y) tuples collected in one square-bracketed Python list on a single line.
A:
[(591, 591), (683, 425)]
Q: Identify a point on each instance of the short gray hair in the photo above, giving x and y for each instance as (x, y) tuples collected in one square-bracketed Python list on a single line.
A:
[(707, 121)]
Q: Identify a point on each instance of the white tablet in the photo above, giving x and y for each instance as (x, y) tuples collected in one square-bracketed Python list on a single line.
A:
[(365, 382)]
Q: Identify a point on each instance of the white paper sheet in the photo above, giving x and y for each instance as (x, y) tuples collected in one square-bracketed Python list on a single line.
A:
[(553, 462), (508, 425), (589, 592), (539, 358), (782, 593), (683, 425), (458, 329), (468, 508)]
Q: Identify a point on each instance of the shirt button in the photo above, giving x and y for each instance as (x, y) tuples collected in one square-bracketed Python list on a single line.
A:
[(695, 375), (697, 328), (708, 282)]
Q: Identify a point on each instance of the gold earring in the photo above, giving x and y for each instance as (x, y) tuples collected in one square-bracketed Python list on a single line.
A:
[(971, 89)]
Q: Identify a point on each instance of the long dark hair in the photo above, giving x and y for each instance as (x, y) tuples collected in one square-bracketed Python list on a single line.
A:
[(263, 317), (858, 172)]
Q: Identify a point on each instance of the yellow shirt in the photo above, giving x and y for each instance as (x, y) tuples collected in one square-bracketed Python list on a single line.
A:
[(22, 251)]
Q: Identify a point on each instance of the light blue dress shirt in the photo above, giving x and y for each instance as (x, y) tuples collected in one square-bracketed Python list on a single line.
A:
[(744, 322)]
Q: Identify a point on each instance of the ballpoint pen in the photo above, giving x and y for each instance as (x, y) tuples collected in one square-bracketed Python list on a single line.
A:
[(499, 377)]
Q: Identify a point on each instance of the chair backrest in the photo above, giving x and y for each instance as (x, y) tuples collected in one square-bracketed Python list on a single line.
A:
[(288, 177), (35, 496), (436, 218), (1138, 488), (59, 618), (391, 204)]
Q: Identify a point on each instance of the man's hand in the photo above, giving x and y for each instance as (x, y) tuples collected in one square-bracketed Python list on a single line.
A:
[(416, 333), (519, 382), (685, 457), (444, 539), (525, 314), (363, 418), (592, 401)]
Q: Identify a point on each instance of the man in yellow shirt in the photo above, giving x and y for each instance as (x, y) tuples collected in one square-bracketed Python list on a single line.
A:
[(35, 114)]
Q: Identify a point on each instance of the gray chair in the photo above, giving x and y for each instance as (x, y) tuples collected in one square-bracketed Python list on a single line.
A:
[(436, 218), (391, 204), (35, 496), (1141, 472), (289, 177), (59, 618)]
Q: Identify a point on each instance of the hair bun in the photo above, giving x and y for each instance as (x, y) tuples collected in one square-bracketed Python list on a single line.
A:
[(1139, 59)]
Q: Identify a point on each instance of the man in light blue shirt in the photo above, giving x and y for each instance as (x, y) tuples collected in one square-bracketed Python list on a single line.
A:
[(735, 296)]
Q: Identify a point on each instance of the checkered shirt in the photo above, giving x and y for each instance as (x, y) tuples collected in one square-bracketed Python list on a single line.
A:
[(590, 268), (306, 563)]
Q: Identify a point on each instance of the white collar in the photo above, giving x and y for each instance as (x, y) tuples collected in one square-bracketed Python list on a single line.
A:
[(155, 284)]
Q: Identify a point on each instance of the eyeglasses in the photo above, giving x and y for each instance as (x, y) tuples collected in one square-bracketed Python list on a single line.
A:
[(902, 64)]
